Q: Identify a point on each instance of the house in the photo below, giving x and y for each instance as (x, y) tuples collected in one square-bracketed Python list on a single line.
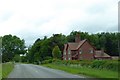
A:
[(82, 50)]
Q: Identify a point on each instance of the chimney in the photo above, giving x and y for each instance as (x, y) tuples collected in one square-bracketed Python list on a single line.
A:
[(77, 38)]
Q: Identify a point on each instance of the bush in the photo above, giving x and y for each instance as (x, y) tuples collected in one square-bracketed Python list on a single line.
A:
[(112, 65), (105, 64), (47, 61), (98, 64), (85, 63)]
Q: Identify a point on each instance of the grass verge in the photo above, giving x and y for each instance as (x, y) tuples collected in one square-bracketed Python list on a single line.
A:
[(6, 69), (97, 73), (0, 71)]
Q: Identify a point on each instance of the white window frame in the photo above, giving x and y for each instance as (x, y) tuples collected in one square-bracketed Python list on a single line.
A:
[(65, 58), (91, 51), (80, 51), (69, 58), (64, 52), (69, 51)]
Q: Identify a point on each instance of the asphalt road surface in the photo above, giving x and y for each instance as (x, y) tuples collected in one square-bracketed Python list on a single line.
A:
[(35, 71)]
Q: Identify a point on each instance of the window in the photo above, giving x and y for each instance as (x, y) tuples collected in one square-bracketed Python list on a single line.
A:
[(80, 52), (65, 58), (91, 51), (69, 58), (68, 51), (64, 52)]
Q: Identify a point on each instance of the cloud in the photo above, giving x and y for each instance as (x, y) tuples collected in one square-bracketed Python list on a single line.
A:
[(30, 19)]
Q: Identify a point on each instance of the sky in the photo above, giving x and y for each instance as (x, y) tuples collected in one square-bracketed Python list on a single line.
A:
[(33, 19)]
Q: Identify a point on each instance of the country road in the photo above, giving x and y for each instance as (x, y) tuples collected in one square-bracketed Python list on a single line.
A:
[(35, 71)]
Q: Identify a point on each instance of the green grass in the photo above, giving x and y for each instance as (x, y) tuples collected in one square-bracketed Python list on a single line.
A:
[(97, 73), (0, 71), (6, 69)]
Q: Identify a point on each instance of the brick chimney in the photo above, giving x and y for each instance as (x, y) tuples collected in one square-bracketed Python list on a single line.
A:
[(77, 38)]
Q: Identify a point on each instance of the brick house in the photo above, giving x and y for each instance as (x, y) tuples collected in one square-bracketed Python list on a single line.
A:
[(82, 50)]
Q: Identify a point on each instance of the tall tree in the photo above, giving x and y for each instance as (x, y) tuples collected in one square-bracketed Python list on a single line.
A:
[(56, 53), (12, 45)]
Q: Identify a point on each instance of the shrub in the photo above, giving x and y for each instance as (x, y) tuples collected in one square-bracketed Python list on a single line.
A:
[(98, 64), (56, 52), (47, 61), (85, 63), (105, 64)]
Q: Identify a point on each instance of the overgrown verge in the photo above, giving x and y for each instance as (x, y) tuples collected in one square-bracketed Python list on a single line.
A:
[(95, 68), (98, 64), (6, 69)]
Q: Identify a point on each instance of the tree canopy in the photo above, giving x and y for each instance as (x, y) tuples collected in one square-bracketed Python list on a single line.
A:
[(11, 45), (42, 49), (56, 53)]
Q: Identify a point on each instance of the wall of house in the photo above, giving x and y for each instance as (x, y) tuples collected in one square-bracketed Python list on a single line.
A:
[(75, 54), (86, 55), (67, 54), (68, 57)]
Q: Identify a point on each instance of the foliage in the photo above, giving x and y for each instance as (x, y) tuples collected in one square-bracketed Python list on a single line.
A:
[(11, 45), (23, 59), (107, 41), (43, 48), (56, 53), (97, 73), (17, 58), (47, 61), (105, 64), (96, 64)]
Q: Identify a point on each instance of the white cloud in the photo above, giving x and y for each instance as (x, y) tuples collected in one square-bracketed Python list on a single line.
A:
[(31, 19)]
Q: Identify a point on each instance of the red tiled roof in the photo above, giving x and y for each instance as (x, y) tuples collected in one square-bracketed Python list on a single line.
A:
[(75, 46)]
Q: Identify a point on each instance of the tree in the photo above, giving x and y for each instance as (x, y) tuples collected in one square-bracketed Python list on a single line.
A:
[(11, 46), (17, 58), (56, 53), (43, 49)]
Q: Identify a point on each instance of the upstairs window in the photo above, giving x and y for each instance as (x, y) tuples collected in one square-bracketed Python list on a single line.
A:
[(91, 51), (64, 52), (68, 51), (80, 52)]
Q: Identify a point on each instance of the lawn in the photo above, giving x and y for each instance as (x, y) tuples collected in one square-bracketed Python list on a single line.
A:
[(97, 73), (6, 69)]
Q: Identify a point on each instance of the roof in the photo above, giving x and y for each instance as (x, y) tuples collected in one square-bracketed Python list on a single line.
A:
[(75, 46), (99, 53)]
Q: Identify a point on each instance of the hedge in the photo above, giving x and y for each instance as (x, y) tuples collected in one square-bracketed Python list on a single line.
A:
[(99, 64)]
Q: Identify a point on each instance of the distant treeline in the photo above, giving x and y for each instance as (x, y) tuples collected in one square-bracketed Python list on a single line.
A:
[(42, 48)]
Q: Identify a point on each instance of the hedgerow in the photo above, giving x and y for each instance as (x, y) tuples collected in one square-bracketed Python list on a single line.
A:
[(98, 64)]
